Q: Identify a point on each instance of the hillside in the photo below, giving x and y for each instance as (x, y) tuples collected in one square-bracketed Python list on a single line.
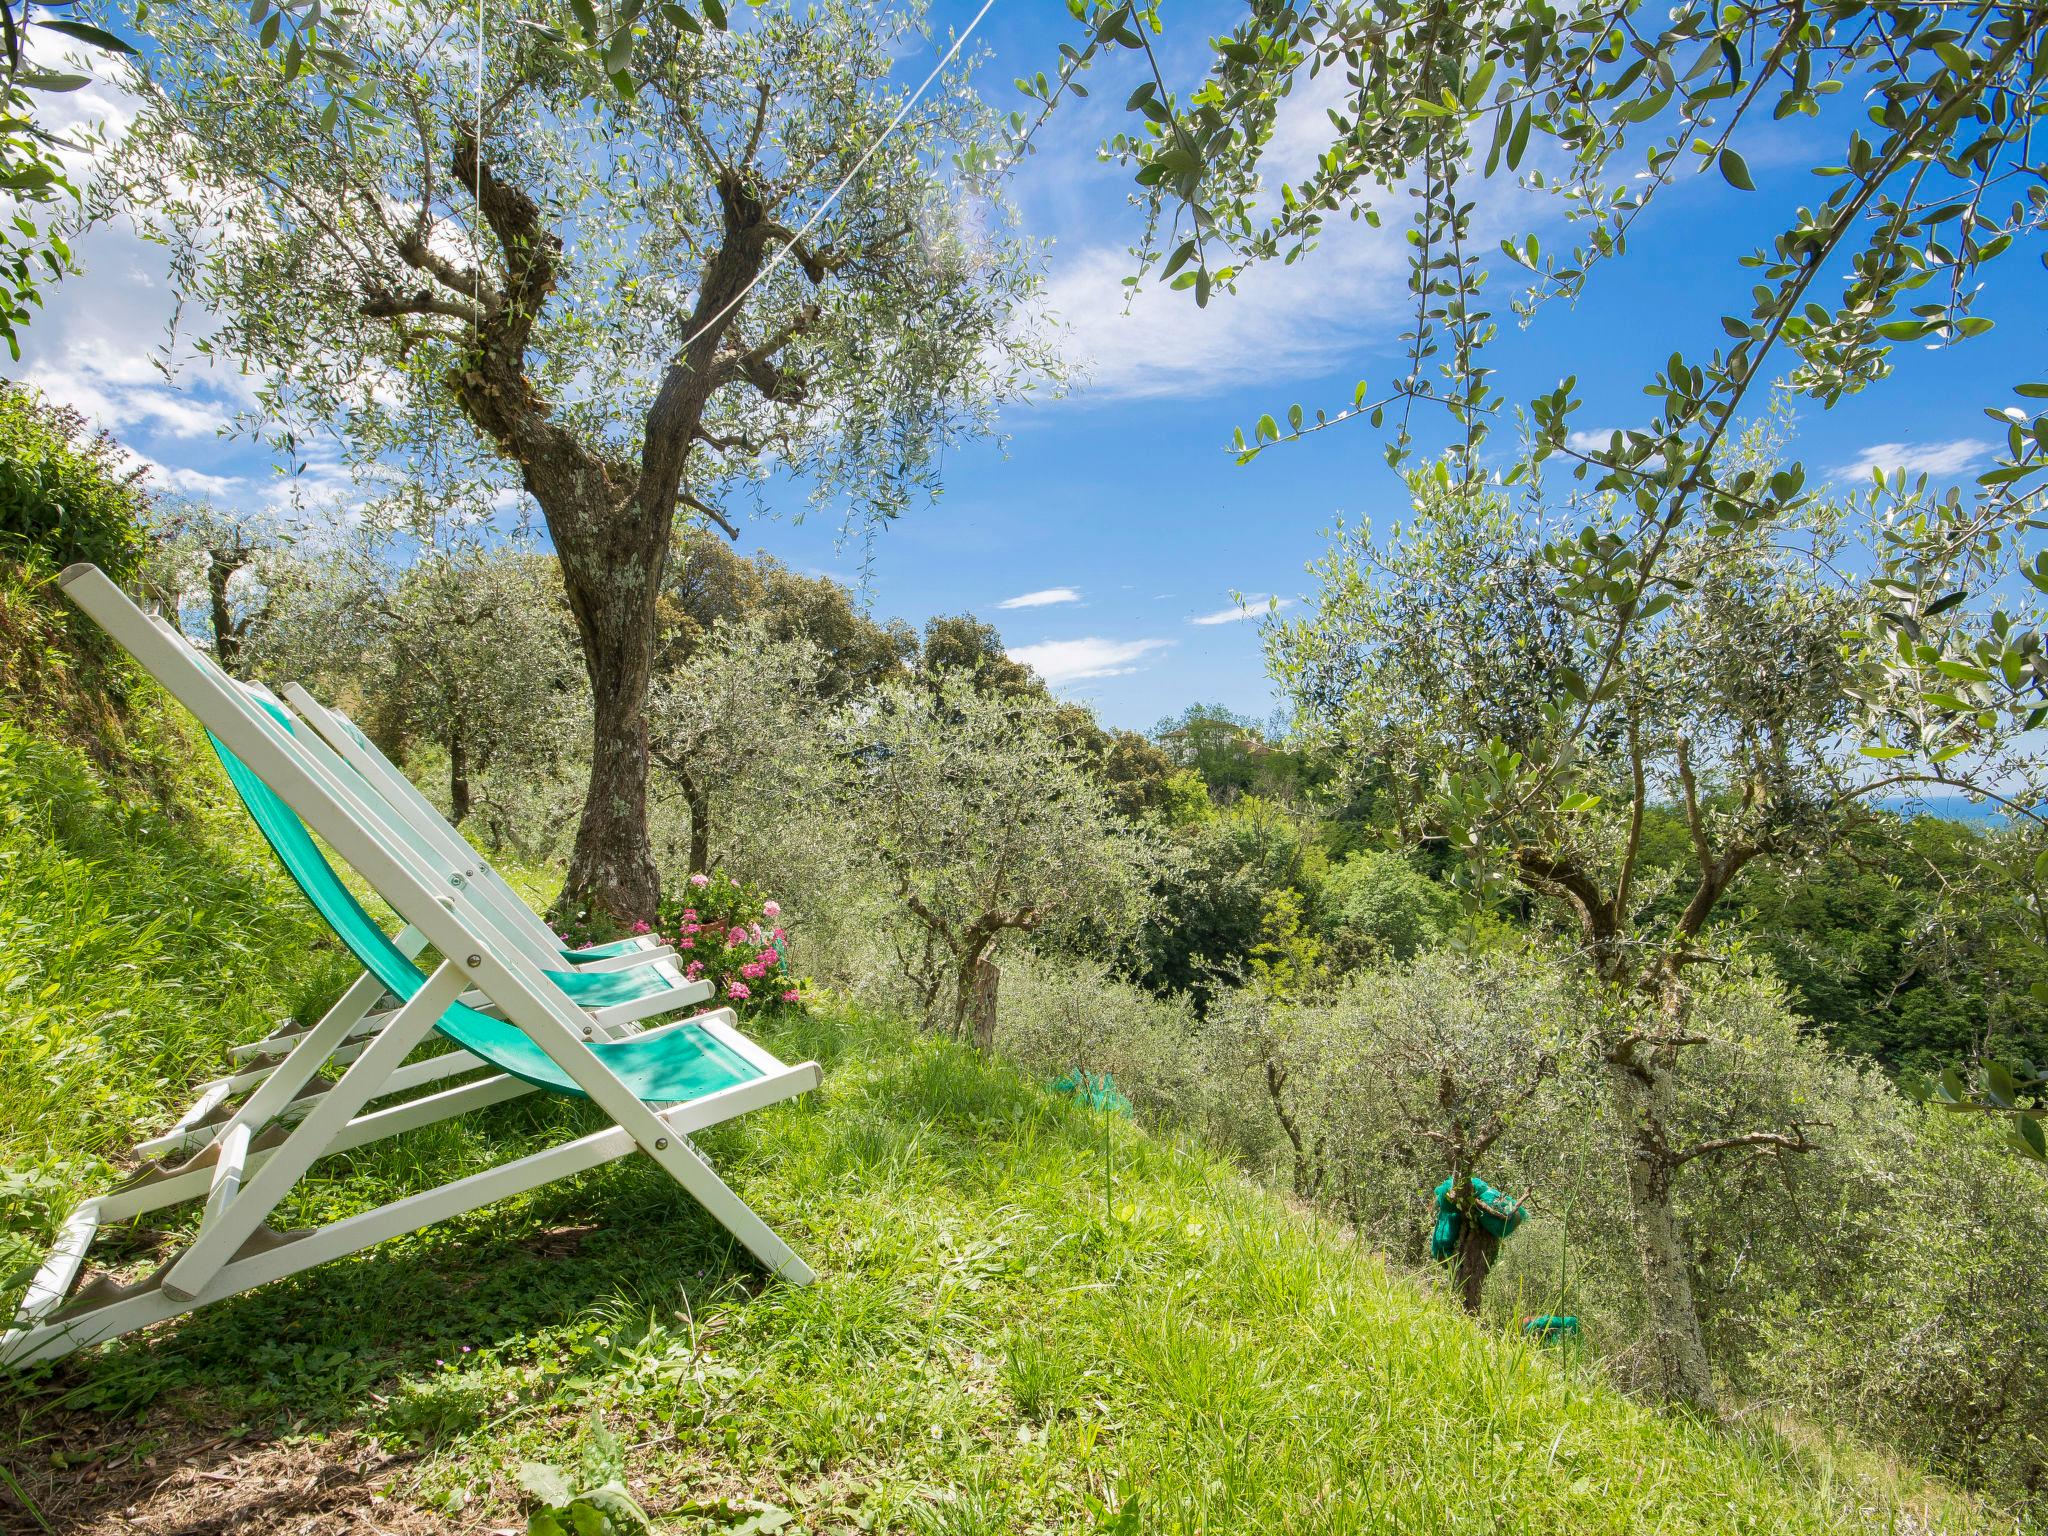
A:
[(1030, 1315)]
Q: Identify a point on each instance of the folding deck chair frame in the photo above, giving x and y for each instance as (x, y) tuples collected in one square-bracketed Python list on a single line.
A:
[(353, 745), (443, 848), (255, 1160)]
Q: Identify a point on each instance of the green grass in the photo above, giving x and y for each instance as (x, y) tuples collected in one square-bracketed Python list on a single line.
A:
[(1029, 1315)]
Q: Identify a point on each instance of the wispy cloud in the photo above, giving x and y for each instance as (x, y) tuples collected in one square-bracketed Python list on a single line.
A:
[(1343, 301), (1950, 456), (1044, 599), (1594, 441), (1256, 606), (191, 482), (1069, 661)]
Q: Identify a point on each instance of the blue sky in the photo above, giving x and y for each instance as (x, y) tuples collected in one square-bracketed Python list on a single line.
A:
[(1106, 534)]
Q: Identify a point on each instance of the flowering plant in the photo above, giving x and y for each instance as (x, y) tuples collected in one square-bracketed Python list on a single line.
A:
[(725, 932)]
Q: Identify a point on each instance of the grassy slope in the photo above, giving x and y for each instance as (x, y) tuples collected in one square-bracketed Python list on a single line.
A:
[(1023, 1307)]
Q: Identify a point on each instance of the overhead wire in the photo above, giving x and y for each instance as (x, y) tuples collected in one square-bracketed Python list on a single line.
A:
[(781, 256)]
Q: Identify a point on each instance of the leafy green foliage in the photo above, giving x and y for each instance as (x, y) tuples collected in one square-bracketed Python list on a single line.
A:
[(984, 824), (64, 495)]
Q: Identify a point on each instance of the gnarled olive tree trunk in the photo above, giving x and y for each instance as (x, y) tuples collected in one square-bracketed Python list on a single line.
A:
[(1643, 1089), (612, 593), (612, 519)]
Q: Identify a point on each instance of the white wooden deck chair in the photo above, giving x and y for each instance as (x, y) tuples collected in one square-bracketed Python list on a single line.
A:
[(512, 1016), (362, 755), (618, 1003)]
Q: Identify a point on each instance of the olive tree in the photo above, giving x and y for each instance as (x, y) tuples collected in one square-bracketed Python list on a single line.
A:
[(744, 706), (1603, 107), (1461, 650), (985, 824), (628, 282), (465, 646), (217, 566)]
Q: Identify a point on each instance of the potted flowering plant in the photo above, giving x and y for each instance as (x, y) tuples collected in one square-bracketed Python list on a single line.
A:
[(728, 933)]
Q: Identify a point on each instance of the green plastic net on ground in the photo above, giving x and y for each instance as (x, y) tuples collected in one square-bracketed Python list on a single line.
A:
[(1095, 1089)]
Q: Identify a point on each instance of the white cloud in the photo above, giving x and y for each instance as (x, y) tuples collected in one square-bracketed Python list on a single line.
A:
[(1069, 661), (1950, 456), (1256, 606), (1043, 599), (1595, 441), (1343, 303), (193, 482), (1149, 341)]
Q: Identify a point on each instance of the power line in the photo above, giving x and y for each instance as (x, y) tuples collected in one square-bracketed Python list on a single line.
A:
[(844, 182)]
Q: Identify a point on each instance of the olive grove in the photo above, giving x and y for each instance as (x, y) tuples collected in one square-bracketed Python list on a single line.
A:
[(486, 263)]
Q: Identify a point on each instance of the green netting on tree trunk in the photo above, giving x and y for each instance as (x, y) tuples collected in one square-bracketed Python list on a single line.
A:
[(1498, 1214)]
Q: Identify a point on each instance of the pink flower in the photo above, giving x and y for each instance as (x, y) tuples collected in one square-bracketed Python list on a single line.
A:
[(777, 935), (737, 936), (694, 969), (732, 882), (700, 881), (737, 989), (640, 927), (792, 996), (772, 909), (686, 943), (769, 955), (690, 913), (753, 971)]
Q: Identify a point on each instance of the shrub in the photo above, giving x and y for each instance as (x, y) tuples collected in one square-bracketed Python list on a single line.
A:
[(1377, 907), (64, 495)]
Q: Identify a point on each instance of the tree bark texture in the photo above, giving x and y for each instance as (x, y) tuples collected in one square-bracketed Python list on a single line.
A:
[(1644, 1102), (979, 983), (1477, 1249)]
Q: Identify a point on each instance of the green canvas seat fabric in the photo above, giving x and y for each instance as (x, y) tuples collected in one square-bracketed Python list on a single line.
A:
[(664, 1067)]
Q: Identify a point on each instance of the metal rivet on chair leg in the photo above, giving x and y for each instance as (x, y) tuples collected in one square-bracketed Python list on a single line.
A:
[(661, 1143), (474, 961)]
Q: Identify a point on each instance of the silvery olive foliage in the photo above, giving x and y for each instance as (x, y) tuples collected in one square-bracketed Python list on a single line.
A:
[(1920, 125), (347, 259), (452, 650), (985, 825), (742, 728)]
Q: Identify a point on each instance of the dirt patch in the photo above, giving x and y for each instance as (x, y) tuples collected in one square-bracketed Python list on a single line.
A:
[(85, 1478)]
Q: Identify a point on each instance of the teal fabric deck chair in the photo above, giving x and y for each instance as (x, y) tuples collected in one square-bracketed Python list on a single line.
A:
[(648, 982), (516, 1022)]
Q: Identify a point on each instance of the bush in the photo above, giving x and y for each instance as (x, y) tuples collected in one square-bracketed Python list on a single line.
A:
[(64, 495), (728, 934), (1059, 1016), (1937, 1338), (1376, 907)]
